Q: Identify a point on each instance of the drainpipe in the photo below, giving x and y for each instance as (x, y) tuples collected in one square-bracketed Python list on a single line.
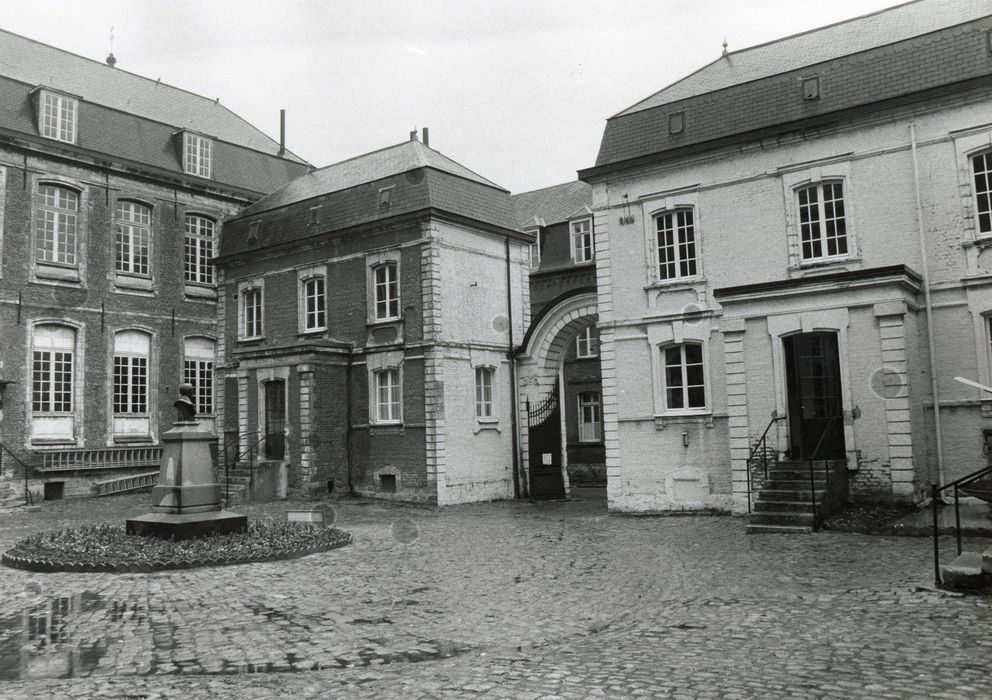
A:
[(513, 378), (347, 431), (929, 308)]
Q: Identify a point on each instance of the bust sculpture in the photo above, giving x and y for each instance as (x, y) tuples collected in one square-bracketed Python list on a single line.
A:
[(185, 404)]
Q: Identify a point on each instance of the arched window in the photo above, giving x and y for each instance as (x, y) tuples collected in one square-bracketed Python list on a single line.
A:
[(53, 352), (132, 350)]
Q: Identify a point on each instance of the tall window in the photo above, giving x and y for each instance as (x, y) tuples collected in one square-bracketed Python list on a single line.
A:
[(484, 392), (251, 309), (198, 371), (386, 289), (314, 304), (58, 212), (51, 370), (131, 351), (676, 244), (58, 117), (535, 252), (822, 226), (586, 343), (199, 250), (582, 245), (982, 165), (132, 238), (386, 396), (197, 154), (590, 417), (684, 386)]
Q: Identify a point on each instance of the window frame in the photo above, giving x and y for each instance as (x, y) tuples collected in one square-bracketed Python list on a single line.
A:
[(376, 301), (197, 155), (824, 238), (591, 341), (199, 371), (71, 414), (57, 130), (129, 228), (309, 317), (588, 245), (485, 376), (597, 405), (243, 312), (62, 236), (132, 401), (395, 396), (685, 266), (686, 408), (985, 196), (198, 249)]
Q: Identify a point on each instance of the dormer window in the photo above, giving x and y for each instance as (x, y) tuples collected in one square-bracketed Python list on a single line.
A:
[(197, 154), (57, 116)]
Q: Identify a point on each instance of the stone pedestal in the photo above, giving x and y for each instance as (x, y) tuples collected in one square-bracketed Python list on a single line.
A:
[(187, 498)]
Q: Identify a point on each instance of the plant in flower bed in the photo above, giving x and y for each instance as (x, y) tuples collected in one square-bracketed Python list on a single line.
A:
[(108, 547)]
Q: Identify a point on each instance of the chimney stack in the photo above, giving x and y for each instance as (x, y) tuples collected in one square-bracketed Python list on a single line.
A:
[(282, 132), (427, 137)]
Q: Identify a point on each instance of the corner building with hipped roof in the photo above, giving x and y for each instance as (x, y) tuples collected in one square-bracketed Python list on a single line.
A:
[(778, 237), (368, 312)]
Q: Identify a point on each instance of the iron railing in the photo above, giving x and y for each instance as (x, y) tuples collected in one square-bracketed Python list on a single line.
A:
[(250, 452), (761, 445), (826, 471), (28, 498), (935, 491), (93, 458)]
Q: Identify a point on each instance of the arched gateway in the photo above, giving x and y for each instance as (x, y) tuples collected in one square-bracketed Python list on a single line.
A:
[(548, 396)]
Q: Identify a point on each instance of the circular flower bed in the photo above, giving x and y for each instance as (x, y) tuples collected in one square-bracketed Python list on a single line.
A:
[(108, 548)]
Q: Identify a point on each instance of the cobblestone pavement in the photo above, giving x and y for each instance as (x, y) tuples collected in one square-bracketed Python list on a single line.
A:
[(514, 600)]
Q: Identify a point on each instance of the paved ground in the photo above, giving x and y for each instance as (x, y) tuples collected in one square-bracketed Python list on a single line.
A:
[(512, 600)]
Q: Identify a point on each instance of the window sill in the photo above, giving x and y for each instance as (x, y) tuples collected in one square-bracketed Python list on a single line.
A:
[(684, 418), (678, 283), (312, 333), (981, 241), (825, 266), (386, 428), (486, 424), (56, 272), (200, 291), (54, 442), (133, 439), (252, 341), (383, 321), (132, 283)]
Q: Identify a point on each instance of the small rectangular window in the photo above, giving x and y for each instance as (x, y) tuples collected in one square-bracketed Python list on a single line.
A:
[(386, 290), (197, 155), (683, 379), (586, 343), (483, 392), (386, 396), (314, 300), (58, 117), (590, 417), (822, 222), (252, 312), (582, 242)]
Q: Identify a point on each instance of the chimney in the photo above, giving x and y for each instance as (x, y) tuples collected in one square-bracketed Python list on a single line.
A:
[(427, 137), (282, 132), (413, 135), (111, 61)]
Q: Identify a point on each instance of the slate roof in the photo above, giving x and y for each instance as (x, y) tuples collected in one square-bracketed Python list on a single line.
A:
[(913, 49), (552, 205), (34, 63), (347, 195)]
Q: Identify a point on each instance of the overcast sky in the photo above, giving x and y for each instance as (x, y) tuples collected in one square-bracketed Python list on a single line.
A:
[(517, 90)]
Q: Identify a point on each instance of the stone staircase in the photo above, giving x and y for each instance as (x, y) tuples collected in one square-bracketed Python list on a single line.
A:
[(238, 484), (11, 495), (784, 504)]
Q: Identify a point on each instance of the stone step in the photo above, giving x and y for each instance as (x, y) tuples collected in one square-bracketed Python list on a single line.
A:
[(966, 572), (789, 495), (776, 506), (781, 518), (754, 529)]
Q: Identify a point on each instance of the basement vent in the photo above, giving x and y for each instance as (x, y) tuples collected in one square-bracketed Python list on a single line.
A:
[(387, 483), (811, 88), (676, 122)]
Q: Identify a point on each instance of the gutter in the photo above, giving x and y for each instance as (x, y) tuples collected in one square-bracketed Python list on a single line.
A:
[(511, 355)]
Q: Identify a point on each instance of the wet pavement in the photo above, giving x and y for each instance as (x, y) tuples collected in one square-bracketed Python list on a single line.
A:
[(514, 600)]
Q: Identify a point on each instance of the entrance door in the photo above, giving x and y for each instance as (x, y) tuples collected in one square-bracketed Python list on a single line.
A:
[(275, 419), (816, 428), (544, 448)]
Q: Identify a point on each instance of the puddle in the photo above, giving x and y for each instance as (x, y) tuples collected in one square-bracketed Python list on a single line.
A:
[(49, 640)]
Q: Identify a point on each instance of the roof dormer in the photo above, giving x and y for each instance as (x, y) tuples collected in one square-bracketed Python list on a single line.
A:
[(58, 114), (195, 153)]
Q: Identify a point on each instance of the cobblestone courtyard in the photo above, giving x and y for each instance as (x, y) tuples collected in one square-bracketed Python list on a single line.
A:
[(513, 600)]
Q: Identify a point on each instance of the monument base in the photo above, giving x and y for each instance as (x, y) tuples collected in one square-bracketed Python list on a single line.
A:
[(185, 526)]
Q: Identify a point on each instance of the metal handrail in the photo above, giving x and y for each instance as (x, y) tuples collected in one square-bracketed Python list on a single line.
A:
[(764, 456), (826, 468), (250, 451), (28, 498), (934, 498)]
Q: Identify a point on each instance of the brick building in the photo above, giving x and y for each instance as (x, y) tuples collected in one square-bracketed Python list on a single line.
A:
[(563, 270), (113, 188), (801, 231), (368, 314)]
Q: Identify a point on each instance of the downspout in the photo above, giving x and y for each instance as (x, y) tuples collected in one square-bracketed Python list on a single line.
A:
[(347, 431), (515, 438), (929, 308)]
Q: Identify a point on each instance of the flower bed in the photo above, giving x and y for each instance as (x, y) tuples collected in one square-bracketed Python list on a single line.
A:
[(108, 548)]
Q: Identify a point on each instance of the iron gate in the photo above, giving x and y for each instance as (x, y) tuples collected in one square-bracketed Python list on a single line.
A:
[(544, 447)]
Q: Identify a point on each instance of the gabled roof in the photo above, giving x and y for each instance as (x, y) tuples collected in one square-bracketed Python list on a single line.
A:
[(818, 45), (401, 158), (552, 205), (35, 63)]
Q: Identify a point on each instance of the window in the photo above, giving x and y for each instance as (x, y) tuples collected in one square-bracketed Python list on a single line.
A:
[(131, 350), (58, 117), (683, 377), (199, 250), (822, 226), (198, 371), (132, 238), (52, 382), (535, 250), (586, 343), (251, 313), (386, 291), (590, 417), (484, 392), (676, 241), (582, 246), (314, 304), (982, 165), (58, 209), (196, 154), (386, 396)]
